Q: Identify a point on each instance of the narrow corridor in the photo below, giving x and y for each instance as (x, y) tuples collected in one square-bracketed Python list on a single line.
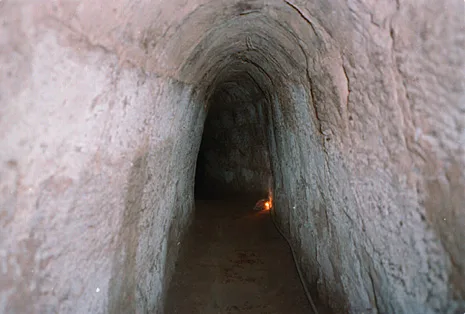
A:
[(235, 261)]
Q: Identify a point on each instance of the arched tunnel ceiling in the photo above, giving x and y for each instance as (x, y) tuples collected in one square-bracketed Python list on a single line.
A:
[(234, 89), (261, 34), (235, 78)]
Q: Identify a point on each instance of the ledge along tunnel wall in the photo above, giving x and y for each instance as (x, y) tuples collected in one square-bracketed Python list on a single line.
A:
[(102, 108)]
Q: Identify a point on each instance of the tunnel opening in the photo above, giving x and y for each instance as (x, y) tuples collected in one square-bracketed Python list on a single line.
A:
[(258, 126), (233, 159), (243, 94)]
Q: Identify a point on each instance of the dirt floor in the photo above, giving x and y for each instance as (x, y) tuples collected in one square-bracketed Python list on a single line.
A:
[(235, 261)]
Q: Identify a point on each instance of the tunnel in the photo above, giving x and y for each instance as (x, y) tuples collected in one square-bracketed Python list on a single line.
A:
[(118, 120), (233, 157), (235, 257)]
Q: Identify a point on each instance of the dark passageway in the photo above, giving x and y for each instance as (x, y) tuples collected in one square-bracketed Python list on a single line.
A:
[(233, 157), (234, 261)]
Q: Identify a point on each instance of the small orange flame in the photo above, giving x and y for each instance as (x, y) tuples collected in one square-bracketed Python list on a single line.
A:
[(267, 205)]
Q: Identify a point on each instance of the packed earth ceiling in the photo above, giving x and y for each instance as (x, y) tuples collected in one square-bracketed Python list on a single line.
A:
[(350, 113)]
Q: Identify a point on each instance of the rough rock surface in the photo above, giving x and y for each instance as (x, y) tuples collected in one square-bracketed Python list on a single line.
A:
[(102, 106)]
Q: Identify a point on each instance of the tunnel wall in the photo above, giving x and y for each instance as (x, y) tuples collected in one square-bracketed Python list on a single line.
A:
[(101, 119), (97, 168), (355, 159)]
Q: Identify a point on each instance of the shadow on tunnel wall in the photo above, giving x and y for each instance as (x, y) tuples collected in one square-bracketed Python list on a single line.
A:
[(122, 287), (125, 294)]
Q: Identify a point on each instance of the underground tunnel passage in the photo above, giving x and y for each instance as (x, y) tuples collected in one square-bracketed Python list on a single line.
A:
[(350, 113), (233, 155), (235, 260)]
